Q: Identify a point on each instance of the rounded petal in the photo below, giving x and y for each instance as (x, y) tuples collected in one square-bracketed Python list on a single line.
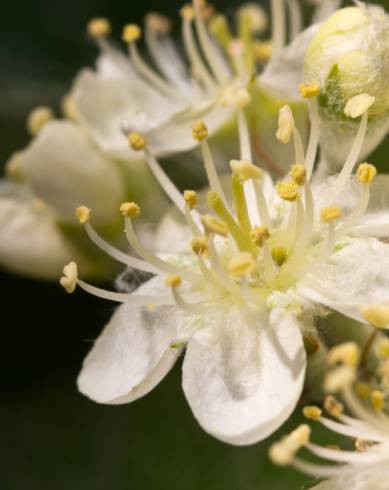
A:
[(241, 381), (66, 170)]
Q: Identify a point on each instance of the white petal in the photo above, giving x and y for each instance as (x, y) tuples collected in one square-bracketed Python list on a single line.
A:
[(354, 276), (242, 382), (66, 170)]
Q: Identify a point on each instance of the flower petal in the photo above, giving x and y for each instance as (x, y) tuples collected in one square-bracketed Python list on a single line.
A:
[(243, 381)]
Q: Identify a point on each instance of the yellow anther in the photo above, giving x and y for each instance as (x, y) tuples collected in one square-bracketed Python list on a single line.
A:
[(158, 23), (361, 445), (257, 16), (173, 281), (339, 379), (151, 307), (312, 412), (70, 276), (136, 141), (259, 234), (286, 124), (83, 214), (99, 27), (200, 246), (347, 353), (69, 107), (130, 209), (187, 12), (331, 213), (241, 264), (376, 315), (298, 173), (309, 90), (190, 198), (262, 50), (282, 452), (363, 390), (246, 170), (235, 96), (279, 254), (199, 131), (358, 105), (288, 190), (131, 33), (214, 225), (377, 400), (37, 118), (219, 28), (366, 173), (13, 167), (333, 406), (383, 348)]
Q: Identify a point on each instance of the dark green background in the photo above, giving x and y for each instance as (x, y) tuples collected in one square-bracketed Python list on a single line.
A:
[(51, 437)]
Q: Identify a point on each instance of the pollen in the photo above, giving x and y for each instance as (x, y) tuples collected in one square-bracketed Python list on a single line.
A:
[(158, 23), (200, 246), (279, 254), (288, 190), (339, 379), (286, 124), (70, 276), (298, 173), (347, 353), (38, 118), (131, 33), (187, 12), (333, 406), (83, 214), (136, 141), (199, 131), (241, 264), (376, 315), (330, 213), (246, 170), (377, 400), (309, 90), (262, 50), (214, 225), (259, 234), (173, 281), (99, 27), (358, 105), (190, 198), (130, 209), (366, 173), (312, 412)]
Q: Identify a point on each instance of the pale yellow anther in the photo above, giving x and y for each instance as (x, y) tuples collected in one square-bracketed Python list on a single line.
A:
[(377, 400), (130, 209), (187, 12), (382, 348), (279, 254), (214, 225), (358, 105), (158, 23), (69, 107), (83, 214), (366, 173), (234, 96), (246, 170), (131, 33), (330, 213), (312, 412), (99, 27), (219, 28), (190, 198), (301, 435), (282, 452), (257, 15), (309, 90), (298, 173), (347, 353), (339, 378), (70, 276), (363, 390), (38, 118), (361, 445), (262, 50), (259, 234), (199, 131), (13, 167), (241, 264), (136, 141), (173, 281), (376, 315), (200, 246), (333, 406), (286, 124), (288, 190)]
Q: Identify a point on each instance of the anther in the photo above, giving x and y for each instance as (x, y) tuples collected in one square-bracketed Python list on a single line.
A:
[(173, 281), (366, 173), (158, 23), (130, 209), (200, 246), (187, 12), (234, 96), (99, 27), (219, 28), (312, 412), (383, 348), (358, 105), (283, 452), (333, 406), (259, 234), (262, 51), (70, 276), (136, 141), (330, 213), (241, 264), (363, 390), (376, 315), (214, 225), (309, 90), (246, 170), (69, 107), (131, 33), (298, 173), (339, 378), (190, 198), (288, 190), (361, 445), (347, 353), (38, 118), (83, 214), (13, 167), (286, 124), (377, 400), (279, 254), (199, 131)]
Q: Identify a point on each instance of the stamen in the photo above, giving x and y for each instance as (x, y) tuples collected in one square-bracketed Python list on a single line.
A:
[(246, 170), (282, 452), (377, 400), (358, 105), (190, 198), (130, 209), (298, 173), (339, 379), (286, 123), (70, 276), (330, 213), (314, 136), (312, 412), (99, 27), (214, 225), (240, 203), (383, 348), (137, 141), (241, 264), (347, 353), (278, 26), (344, 456), (262, 51), (309, 90), (220, 30), (296, 20), (198, 308), (83, 214), (288, 191), (279, 254), (376, 315), (38, 118), (173, 281), (315, 470), (366, 173), (333, 406), (13, 167), (200, 246), (259, 234)]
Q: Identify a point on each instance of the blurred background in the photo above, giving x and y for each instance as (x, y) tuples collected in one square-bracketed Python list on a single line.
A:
[(52, 437)]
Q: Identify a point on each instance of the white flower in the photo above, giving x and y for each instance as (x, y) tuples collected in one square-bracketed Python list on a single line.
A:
[(241, 270)]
